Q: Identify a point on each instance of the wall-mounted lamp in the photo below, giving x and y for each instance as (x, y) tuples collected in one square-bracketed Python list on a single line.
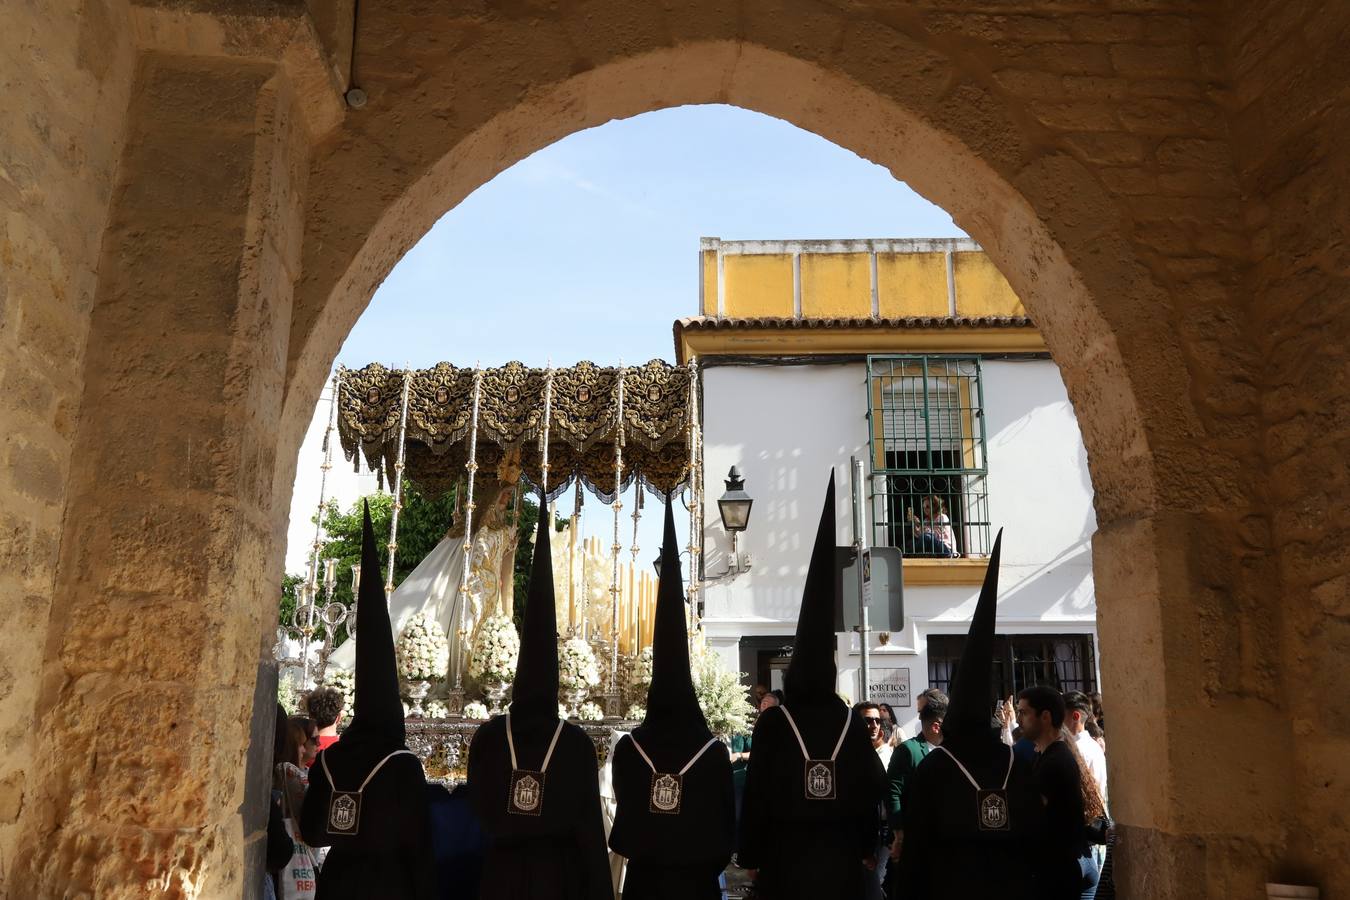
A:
[(656, 563), (734, 507), (735, 504)]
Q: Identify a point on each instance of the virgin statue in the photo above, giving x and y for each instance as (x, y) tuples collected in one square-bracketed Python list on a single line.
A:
[(434, 586)]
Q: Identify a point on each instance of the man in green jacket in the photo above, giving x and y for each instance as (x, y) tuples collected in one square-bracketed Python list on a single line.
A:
[(932, 709)]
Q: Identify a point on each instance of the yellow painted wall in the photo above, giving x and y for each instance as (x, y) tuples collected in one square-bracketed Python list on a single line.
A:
[(839, 285), (709, 307), (759, 285), (981, 290), (912, 284), (836, 285)]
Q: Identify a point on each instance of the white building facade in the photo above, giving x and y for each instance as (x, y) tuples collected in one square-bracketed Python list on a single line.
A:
[(958, 414)]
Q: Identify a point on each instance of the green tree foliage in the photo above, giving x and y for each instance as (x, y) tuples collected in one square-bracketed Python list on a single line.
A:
[(290, 591), (423, 522)]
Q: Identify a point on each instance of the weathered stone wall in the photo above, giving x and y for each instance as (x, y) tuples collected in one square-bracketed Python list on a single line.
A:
[(1162, 183), (1291, 139), (66, 80), (170, 540), (186, 135), (1086, 147)]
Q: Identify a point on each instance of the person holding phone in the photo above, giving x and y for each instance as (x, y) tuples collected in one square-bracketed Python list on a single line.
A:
[(933, 535)]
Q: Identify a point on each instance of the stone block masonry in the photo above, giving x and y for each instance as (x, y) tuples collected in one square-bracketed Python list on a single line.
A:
[(190, 223)]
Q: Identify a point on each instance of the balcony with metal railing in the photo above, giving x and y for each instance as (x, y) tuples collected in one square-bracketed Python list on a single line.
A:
[(929, 484)]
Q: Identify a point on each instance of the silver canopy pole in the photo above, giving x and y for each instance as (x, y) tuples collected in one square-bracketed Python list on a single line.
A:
[(398, 482), (471, 467), (612, 695)]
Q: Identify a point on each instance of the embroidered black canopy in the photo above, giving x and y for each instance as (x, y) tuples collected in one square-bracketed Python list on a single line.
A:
[(583, 422)]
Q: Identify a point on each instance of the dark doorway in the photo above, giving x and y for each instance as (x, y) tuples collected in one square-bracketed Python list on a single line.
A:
[(765, 659)]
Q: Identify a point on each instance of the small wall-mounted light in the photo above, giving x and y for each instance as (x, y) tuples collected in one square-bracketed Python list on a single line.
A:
[(656, 563), (734, 505)]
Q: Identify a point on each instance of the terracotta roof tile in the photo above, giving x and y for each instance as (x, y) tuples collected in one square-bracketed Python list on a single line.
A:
[(903, 323), (707, 323)]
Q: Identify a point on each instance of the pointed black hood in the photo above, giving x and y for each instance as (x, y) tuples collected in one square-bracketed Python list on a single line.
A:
[(534, 693), (672, 705), (811, 675), (969, 714), (378, 710)]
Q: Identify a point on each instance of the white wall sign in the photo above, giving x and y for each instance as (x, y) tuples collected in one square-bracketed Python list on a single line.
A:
[(889, 686)]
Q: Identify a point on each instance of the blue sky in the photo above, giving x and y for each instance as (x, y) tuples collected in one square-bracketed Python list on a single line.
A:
[(589, 248)]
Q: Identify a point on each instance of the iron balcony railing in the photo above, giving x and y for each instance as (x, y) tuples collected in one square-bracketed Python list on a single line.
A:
[(929, 485), (932, 516)]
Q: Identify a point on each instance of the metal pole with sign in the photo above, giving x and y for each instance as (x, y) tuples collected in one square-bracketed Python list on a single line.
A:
[(864, 569)]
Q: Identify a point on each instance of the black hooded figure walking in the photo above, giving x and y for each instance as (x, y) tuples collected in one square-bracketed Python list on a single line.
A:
[(672, 778), (533, 779), (367, 793), (972, 815), (811, 813)]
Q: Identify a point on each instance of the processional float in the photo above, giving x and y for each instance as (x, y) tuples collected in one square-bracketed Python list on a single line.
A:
[(602, 429)]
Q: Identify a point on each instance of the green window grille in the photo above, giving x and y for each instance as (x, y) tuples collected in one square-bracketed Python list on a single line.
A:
[(929, 476)]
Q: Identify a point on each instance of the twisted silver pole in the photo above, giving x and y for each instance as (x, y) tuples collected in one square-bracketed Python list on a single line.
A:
[(311, 583), (398, 481), (637, 515), (613, 692), (543, 438), (471, 467)]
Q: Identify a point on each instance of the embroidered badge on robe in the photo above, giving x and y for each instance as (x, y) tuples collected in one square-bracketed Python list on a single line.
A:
[(820, 779), (344, 813), (993, 810), (527, 793), (666, 793)]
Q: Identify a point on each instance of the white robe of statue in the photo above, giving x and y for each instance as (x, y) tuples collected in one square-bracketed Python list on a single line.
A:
[(434, 587)]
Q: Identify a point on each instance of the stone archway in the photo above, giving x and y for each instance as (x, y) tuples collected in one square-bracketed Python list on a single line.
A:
[(250, 220)]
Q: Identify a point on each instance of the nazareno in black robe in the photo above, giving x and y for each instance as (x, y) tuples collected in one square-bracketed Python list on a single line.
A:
[(672, 855), (812, 849), (390, 853), (558, 854), (945, 852)]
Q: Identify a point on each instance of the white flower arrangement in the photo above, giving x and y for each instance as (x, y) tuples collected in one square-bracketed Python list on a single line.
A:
[(288, 696), (721, 695), (497, 651), (344, 682), (562, 711), (437, 710), (590, 712), (422, 650), (636, 713), (640, 673), (475, 710), (577, 668)]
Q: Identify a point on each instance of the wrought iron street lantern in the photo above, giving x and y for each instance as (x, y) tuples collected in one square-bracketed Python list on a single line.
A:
[(734, 505)]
